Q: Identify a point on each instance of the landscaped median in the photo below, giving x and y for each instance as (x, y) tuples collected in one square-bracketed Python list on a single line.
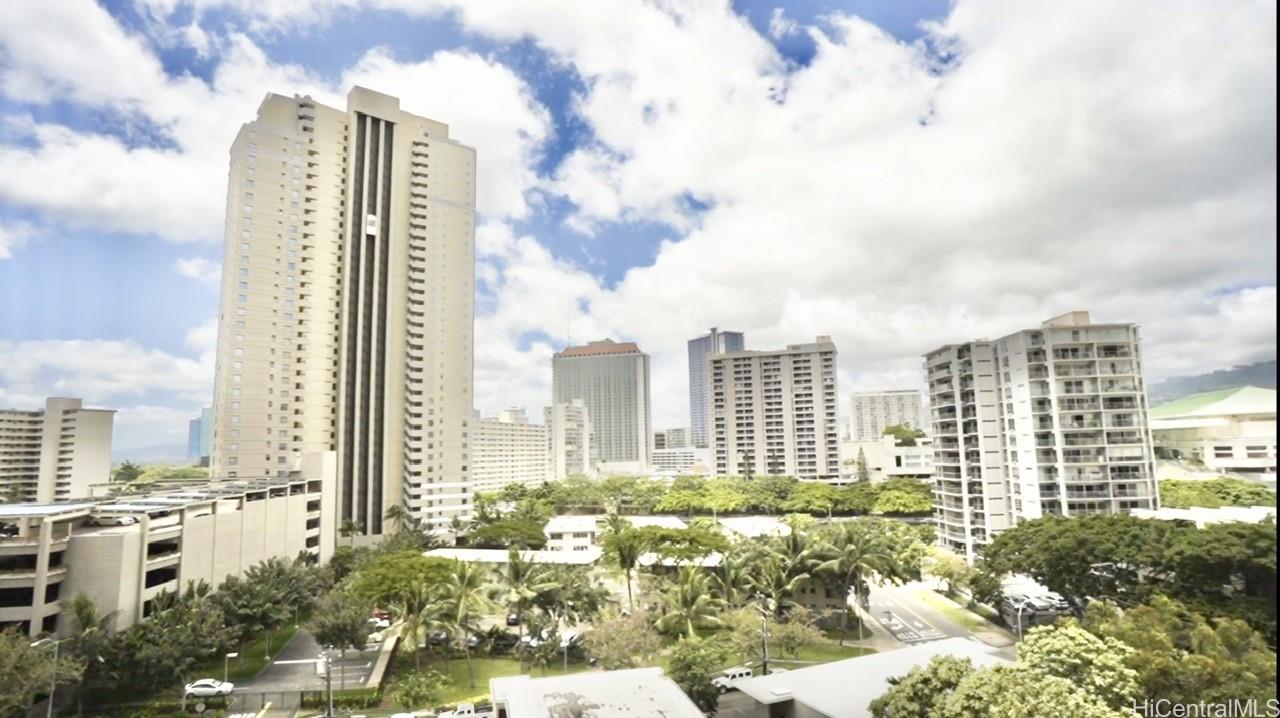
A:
[(984, 630)]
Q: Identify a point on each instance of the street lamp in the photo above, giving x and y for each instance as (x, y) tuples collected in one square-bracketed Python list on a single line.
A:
[(1021, 606), (225, 660), (764, 633), (53, 679), (328, 680)]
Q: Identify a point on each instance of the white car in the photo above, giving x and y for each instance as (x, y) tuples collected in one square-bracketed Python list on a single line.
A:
[(729, 677), (379, 624), (208, 687), (468, 710)]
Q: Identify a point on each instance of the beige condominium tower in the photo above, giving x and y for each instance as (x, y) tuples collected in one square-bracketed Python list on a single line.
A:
[(346, 315)]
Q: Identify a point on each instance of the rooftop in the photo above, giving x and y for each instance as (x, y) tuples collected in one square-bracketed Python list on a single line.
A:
[(665, 522), (1245, 400), (570, 524), (639, 692), (499, 555), (602, 347), (845, 689), (1202, 516), (756, 526)]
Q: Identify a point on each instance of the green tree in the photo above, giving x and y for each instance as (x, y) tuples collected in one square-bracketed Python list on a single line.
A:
[(1003, 691), (948, 568), (623, 642), (126, 472), (690, 603), (1180, 656), (693, 663), (812, 498), (860, 464), (905, 434), (349, 529), (341, 621), (854, 553), (923, 692), (400, 517), (90, 641), (1223, 491), (773, 579), (733, 578), (511, 531), (26, 671), (522, 580), (420, 609), (624, 548), (249, 608), (416, 690), (683, 545), (466, 599), (387, 578), (1069, 651)]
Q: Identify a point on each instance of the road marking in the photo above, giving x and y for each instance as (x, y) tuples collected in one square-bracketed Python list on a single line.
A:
[(291, 663)]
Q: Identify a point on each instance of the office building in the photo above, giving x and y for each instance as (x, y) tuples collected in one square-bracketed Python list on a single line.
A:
[(1231, 431), (346, 314), (701, 350), (200, 437), (54, 453), (887, 458), (569, 447), (612, 381), (1044, 421), (774, 412), (678, 439), (123, 552), (875, 410), (507, 449)]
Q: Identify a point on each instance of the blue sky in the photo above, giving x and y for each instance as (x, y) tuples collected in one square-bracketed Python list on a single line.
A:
[(647, 172)]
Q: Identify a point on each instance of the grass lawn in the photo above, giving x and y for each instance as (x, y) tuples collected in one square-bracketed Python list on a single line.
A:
[(824, 652), (253, 657), (953, 611), (459, 690)]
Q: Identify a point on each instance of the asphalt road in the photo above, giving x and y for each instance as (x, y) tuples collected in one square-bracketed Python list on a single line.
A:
[(294, 668), (907, 618)]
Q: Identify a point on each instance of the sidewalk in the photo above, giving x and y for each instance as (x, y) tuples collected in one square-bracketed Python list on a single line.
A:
[(981, 628), (880, 639)]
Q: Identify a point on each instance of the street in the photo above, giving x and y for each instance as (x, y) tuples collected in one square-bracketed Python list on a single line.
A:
[(294, 668)]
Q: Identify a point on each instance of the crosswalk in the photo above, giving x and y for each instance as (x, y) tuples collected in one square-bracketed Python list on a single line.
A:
[(903, 624)]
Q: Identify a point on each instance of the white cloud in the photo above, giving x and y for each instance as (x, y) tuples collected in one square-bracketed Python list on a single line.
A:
[(200, 269), (75, 52), (780, 25), (11, 235)]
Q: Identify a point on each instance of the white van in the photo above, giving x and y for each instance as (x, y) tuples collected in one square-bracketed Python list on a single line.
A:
[(730, 676)]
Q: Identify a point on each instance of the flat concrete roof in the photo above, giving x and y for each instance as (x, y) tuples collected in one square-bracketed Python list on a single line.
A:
[(845, 689), (570, 524), (19, 511), (638, 693), (500, 555), (660, 521), (756, 526)]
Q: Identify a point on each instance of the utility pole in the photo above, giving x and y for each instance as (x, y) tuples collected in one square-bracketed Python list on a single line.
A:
[(764, 632)]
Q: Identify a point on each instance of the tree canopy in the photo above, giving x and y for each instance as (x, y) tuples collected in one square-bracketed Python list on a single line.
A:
[(1213, 493)]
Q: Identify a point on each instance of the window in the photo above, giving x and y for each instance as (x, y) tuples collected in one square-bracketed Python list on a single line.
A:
[(244, 286), (241, 298), (244, 271), (239, 352)]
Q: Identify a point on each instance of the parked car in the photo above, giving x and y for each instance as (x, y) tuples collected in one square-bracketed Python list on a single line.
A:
[(513, 619), (729, 677), (379, 624), (438, 638), (468, 710), (503, 642), (209, 687)]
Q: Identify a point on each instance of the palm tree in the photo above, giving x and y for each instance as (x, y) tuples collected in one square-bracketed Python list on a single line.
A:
[(855, 552), (797, 551), (523, 580), (465, 599), (419, 609), (733, 580), (690, 603), (775, 580), (613, 525), (398, 515), (90, 639), (349, 529), (625, 548)]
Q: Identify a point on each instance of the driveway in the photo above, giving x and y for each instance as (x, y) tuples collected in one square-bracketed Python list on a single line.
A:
[(294, 668)]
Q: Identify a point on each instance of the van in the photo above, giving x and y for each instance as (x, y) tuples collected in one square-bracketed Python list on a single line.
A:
[(730, 676)]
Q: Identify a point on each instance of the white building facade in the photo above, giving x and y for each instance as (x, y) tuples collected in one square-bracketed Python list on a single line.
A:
[(569, 448), (507, 449), (347, 305), (124, 552), (873, 411), (885, 459), (701, 349), (612, 380), (1042, 422), (774, 412), (54, 453), (1229, 431)]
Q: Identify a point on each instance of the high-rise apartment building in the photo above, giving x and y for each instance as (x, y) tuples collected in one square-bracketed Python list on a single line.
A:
[(569, 447), (875, 410), (700, 350), (54, 454), (346, 316), (1044, 421), (612, 380), (774, 412), (507, 449), (200, 437)]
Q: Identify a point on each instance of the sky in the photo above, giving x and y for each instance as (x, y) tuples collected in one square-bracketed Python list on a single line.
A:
[(897, 175)]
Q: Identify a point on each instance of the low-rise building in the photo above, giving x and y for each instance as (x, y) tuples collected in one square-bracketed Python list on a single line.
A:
[(54, 453), (1201, 516), (634, 693), (750, 527), (845, 689), (682, 461), (500, 556), (886, 458), (1230, 431), (123, 552), (571, 533)]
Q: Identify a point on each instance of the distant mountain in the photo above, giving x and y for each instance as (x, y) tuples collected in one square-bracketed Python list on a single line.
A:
[(1261, 374), (156, 454)]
